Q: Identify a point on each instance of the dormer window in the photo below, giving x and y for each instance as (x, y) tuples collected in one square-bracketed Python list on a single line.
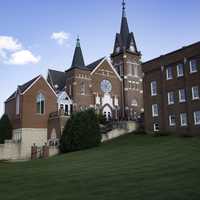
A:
[(40, 104)]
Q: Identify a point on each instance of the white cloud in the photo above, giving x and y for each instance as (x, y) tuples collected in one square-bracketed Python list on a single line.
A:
[(23, 57), (61, 37), (9, 43), (12, 52)]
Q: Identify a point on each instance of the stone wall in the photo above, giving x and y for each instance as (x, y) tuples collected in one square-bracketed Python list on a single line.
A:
[(125, 128)]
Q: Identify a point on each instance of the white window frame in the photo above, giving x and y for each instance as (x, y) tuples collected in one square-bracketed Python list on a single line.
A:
[(180, 96), (156, 127), (193, 92), (170, 120), (195, 118), (182, 115), (179, 74), (153, 93), (169, 98), (191, 69), (155, 111), (39, 99), (167, 73)]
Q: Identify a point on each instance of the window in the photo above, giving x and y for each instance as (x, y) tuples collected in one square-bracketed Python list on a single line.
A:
[(172, 120), (129, 68), (17, 104), (182, 95), (155, 110), (153, 88), (197, 118), (183, 118), (170, 98), (193, 66), (70, 90), (155, 127), (169, 74), (40, 103), (180, 70), (134, 103), (135, 70), (82, 89), (195, 93)]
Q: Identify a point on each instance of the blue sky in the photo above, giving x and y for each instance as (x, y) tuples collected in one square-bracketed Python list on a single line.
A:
[(28, 46)]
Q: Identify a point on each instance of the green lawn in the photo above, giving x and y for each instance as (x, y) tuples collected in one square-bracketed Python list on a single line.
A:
[(131, 167)]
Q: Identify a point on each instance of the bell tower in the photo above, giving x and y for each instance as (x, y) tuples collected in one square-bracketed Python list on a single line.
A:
[(127, 61)]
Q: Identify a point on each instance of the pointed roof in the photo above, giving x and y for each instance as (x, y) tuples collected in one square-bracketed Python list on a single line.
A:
[(124, 31), (57, 79), (124, 39), (78, 60)]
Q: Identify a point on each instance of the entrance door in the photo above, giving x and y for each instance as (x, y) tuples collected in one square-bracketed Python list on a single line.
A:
[(107, 112)]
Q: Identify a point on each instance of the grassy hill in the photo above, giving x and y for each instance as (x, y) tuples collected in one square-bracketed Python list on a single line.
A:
[(131, 167)]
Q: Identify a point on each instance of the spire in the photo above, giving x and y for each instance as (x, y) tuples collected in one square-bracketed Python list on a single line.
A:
[(78, 60), (123, 8), (124, 32), (125, 40)]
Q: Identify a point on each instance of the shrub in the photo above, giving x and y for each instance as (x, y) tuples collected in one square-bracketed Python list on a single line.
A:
[(81, 131), (101, 119), (5, 129)]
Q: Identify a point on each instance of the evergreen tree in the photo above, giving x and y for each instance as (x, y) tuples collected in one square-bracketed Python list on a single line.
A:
[(5, 129), (81, 131)]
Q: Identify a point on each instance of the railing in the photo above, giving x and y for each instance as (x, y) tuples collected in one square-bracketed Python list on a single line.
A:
[(58, 114)]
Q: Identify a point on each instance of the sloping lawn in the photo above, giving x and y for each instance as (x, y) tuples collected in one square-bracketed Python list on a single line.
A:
[(131, 167)]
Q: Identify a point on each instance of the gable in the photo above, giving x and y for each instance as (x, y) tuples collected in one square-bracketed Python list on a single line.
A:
[(40, 84), (105, 67)]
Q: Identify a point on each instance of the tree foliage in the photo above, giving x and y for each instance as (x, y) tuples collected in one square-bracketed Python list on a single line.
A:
[(81, 131), (5, 129)]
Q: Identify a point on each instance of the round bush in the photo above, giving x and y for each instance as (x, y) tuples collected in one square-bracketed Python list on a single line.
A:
[(81, 131)]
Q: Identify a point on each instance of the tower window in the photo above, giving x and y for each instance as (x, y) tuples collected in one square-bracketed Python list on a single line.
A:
[(82, 88), (40, 103)]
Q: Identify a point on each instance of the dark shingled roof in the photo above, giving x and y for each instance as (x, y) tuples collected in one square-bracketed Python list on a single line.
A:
[(78, 60), (57, 78), (94, 64), (22, 88)]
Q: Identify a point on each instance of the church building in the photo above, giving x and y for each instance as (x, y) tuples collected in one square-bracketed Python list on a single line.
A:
[(112, 86)]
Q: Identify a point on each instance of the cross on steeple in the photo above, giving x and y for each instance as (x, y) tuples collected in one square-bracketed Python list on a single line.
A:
[(123, 8)]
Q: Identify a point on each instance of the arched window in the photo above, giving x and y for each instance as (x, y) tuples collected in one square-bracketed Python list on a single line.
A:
[(40, 103), (82, 88)]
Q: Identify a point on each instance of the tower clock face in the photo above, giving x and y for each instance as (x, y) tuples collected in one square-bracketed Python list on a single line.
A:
[(106, 86)]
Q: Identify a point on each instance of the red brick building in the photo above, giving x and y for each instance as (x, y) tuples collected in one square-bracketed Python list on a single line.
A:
[(112, 86), (172, 91)]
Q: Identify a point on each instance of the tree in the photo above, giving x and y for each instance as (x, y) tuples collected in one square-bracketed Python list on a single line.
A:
[(81, 131), (5, 129)]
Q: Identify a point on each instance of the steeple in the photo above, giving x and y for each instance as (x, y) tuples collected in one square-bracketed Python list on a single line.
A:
[(124, 32), (78, 60), (125, 40)]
